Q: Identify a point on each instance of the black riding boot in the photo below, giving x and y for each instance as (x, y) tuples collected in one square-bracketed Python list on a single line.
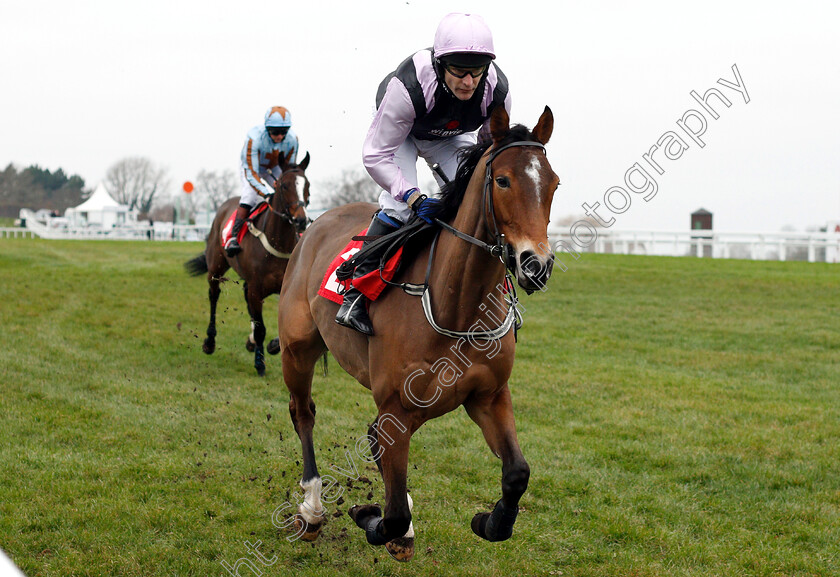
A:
[(353, 311), (232, 247)]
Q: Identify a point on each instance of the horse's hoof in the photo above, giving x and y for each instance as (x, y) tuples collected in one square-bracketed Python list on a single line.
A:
[(307, 531), (250, 346), (479, 527), (359, 513), (208, 347), (261, 371), (273, 347), (478, 523), (401, 548)]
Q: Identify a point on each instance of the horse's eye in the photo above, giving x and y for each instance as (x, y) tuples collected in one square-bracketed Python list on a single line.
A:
[(503, 182)]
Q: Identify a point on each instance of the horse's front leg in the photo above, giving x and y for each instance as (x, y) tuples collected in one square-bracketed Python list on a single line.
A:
[(495, 417), (209, 345), (389, 437), (257, 336), (297, 373)]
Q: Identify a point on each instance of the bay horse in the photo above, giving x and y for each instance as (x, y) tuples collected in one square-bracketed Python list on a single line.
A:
[(422, 363), (264, 257)]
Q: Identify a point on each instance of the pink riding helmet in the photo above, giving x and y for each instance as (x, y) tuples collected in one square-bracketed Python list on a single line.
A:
[(463, 33)]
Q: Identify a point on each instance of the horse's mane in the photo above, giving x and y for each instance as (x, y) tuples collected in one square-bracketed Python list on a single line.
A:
[(453, 192)]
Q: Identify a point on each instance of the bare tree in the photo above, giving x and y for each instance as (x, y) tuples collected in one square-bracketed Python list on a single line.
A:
[(137, 182), (214, 187), (354, 185)]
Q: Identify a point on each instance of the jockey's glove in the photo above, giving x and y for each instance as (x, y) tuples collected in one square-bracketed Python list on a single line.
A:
[(425, 207)]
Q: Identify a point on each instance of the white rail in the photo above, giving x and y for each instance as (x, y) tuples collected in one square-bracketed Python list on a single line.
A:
[(15, 232), (805, 246), (158, 231)]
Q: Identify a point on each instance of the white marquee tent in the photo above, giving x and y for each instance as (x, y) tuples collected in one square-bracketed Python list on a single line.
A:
[(100, 210)]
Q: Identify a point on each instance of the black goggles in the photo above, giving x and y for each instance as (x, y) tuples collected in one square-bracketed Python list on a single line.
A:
[(278, 131), (459, 72)]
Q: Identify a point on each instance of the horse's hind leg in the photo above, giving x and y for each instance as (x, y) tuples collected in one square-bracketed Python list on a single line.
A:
[(298, 370), (254, 301), (495, 417), (394, 529), (249, 342), (210, 342)]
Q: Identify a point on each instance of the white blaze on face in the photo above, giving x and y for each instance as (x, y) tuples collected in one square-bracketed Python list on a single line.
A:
[(311, 509), (300, 186), (533, 171)]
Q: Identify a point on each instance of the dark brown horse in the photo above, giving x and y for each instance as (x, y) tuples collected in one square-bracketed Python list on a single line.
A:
[(264, 257), (433, 354)]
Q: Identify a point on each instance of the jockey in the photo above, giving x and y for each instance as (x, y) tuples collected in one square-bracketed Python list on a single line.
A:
[(265, 149), (431, 106)]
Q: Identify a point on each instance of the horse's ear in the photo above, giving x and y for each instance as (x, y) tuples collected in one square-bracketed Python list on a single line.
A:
[(305, 162), (542, 131), (284, 159), (499, 124)]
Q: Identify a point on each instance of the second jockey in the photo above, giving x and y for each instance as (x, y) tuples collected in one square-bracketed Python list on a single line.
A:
[(265, 149)]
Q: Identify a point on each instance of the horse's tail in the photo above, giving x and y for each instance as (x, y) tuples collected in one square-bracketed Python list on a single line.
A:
[(325, 363), (196, 266)]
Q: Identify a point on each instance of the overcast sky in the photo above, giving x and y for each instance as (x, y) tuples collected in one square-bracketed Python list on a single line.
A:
[(87, 83)]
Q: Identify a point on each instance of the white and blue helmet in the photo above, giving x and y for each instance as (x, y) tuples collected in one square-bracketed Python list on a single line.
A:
[(278, 117)]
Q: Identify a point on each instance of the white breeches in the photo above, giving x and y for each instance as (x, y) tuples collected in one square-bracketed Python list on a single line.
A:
[(443, 152)]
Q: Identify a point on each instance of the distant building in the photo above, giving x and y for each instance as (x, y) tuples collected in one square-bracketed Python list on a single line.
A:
[(701, 219), (100, 210)]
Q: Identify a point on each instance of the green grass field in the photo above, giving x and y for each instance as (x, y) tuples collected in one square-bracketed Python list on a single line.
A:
[(680, 416)]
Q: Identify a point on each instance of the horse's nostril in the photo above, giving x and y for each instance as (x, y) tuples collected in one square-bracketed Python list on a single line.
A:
[(535, 270), (531, 264)]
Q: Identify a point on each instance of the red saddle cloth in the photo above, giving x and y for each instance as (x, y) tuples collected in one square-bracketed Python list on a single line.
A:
[(228, 227), (371, 285)]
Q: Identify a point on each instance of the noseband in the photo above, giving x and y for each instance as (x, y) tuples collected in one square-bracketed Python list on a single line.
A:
[(501, 249)]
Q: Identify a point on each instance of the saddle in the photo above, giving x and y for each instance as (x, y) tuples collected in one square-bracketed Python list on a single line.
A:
[(386, 249), (228, 227), (383, 247)]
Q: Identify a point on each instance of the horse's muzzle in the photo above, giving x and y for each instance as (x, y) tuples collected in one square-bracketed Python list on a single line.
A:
[(534, 270), (300, 223)]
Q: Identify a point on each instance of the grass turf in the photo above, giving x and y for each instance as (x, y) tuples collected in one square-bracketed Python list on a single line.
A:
[(680, 417)]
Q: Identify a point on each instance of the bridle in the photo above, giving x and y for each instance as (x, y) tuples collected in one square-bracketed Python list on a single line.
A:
[(284, 214), (287, 209), (501, 249)]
